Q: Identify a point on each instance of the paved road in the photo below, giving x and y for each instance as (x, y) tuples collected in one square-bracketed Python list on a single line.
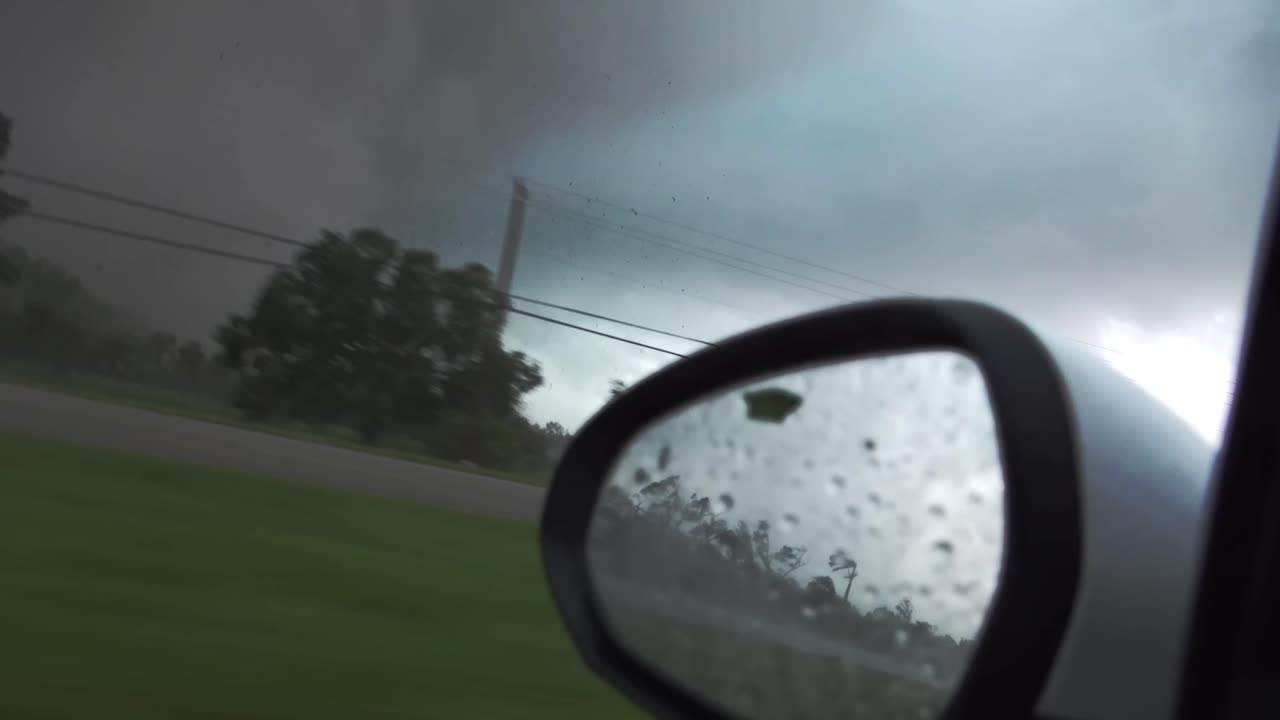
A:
[(48, 414)]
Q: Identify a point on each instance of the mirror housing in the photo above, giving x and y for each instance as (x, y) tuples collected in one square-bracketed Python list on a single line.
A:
[(1041, 563)]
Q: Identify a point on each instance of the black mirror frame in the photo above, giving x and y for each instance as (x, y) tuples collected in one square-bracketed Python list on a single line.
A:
[(1038, 580)]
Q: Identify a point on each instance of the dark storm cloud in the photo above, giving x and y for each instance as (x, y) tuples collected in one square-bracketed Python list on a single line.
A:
[(294, 116)]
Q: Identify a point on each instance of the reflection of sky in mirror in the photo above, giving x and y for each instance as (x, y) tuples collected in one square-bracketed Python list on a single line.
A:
[(893, 460)]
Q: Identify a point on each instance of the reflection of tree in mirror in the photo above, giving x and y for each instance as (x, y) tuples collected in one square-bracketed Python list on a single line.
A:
[(668, 556)]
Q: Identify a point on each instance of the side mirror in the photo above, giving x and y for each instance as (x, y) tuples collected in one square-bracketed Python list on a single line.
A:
[(872, 511)]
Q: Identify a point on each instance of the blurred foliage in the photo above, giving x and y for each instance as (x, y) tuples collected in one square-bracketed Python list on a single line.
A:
[(362, 333)]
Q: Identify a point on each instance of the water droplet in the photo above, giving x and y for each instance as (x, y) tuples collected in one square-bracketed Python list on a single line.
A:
[(724, 503), (874, 499), (976, 498), (869, 445), (789, 522), (962, 371), (664, 457), (937, 510), (808, 464), (929, 670), (641, 476), (852, 511), (809, 611), (749, 452), (924, 591), (964, 588), (900, 637), (874, 532), (871, 591), (835, 486), (944, 549)]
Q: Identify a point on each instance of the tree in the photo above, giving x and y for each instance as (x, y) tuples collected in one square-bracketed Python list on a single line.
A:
[(362, 333), (839, 561), (821, 586), (160, 346), (616, 388), (191, 357), (905, 610)]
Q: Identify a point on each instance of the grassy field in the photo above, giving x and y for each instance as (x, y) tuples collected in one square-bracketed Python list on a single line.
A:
[(208, 409), (136, 588)]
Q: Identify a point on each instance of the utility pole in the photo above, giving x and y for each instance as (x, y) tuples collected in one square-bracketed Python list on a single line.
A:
[(515, 229)]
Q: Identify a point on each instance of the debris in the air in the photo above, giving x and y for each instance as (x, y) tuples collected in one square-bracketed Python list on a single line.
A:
[(771, 404)]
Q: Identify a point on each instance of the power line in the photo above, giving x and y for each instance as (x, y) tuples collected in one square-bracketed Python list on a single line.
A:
[(681, 246), (666, 242), (645, 236), (605, 317), (140, 204), (154, 239), (214, 222), (722, 237), (560, 260)]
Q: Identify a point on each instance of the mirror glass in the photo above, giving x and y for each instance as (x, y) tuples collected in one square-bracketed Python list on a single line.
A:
[(822, 543)]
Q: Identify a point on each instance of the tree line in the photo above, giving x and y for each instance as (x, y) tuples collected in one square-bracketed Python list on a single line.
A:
[(662, 538), (356, 332)]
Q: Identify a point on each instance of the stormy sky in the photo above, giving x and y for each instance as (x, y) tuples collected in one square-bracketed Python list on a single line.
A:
[(1096, 167)]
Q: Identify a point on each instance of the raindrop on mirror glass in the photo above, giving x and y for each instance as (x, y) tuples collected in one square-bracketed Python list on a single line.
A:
[(944, 549), (749, 452), (852, 511), (664, 457), (962, 371), (869, 445), (874, 532), (874, 499), (976, 498), (809, 611), (937, 510), (964, 588), (900, 637), (724, 503), (641, 476), (789, 522), (924, 591), (836, 485)]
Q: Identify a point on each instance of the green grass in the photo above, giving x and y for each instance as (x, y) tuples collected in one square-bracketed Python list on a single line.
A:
[(137, 588), (206, 408)]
